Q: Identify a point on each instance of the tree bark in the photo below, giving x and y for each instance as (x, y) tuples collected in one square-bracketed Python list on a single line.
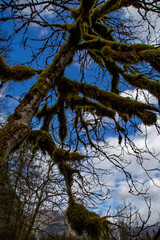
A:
[(17, 127)]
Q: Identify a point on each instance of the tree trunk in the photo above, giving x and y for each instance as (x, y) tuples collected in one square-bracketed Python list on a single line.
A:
[(17, 127)]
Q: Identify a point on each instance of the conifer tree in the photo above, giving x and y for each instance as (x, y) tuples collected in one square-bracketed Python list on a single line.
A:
[(97, 35)]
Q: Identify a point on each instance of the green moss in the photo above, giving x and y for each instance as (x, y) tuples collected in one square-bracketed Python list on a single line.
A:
[(42, 140), (75, 102), (110, 100), (15, 73), (130, 57), (148, 118), (97, 59), (108, 7), (86, 9), (60, 155), (114, 70), (142, 82), (152, 56), (103, 31), (62, 121), (82, 221)]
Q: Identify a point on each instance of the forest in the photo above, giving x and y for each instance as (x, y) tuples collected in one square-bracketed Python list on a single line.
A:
[(79, 124)]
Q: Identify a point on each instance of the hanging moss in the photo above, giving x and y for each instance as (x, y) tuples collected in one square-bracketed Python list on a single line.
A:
[(60, 155), (103, 31), (97, 59), (114, 70), (62, 121), (42, 140), (148, 118), (82, 221), (111, 100), (47, 113), (67, 171), (76, 101), (15, 73)]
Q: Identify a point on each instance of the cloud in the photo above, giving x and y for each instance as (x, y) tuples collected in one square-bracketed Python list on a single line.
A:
[(145, 172), (140, 95), (150, 32)]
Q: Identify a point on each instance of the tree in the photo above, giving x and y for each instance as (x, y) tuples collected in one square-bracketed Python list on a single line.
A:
[(77, 113)]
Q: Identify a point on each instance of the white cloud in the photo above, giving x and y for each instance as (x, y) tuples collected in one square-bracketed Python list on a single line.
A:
[(119, 189), (150, 32), (140, 95)]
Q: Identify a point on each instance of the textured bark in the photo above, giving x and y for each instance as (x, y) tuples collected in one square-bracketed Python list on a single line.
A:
[(17, 127)]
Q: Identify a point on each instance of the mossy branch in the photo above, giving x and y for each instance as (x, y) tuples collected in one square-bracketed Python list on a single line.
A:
[(42, 140), (82, 220), (112, 100), (61, 155), (141, 82), (75, 102), (16, 73), (106, 8)]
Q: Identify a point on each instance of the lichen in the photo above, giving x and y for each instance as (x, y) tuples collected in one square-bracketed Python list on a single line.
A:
[(82, 221)]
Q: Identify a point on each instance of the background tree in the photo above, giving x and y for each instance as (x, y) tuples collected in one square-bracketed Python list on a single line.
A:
[(78, 114)]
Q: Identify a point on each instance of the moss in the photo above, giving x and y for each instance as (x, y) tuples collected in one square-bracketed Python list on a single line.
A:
[(97, 59), (60, 155), (108, 7), (75, 102), (130, 57), (152, 56), (148, 118), (62, 121), (15, 73), (42, 140), (110, 100), (85, 221), (140, 81), (103, 31), (95, 44), (114, 70), (86, 9), (67, 171)]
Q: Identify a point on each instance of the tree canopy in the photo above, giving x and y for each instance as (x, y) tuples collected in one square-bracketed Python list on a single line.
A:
[(69, 119)]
